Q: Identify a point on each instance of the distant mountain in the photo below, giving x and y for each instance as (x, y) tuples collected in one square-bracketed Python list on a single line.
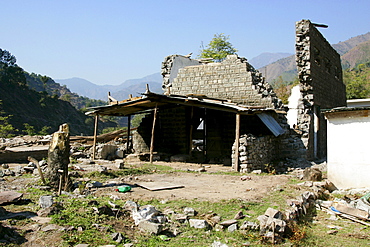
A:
[(343, 47), (82, 87), (357, 55), (119, 92), (267, 58), (287, 68)]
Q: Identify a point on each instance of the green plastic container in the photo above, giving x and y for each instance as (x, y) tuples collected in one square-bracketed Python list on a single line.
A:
[(123, 188)]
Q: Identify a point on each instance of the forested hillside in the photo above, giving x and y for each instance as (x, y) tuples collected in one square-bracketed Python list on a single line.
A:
[(41, 83), (26, 111)]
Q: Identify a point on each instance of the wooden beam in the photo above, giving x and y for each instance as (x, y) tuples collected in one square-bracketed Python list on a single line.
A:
[(95, 134), (237, 136), (152, 139)]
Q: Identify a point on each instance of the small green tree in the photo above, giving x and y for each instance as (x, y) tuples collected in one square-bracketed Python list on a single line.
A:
[(6, 129), (218, 48), (29, 129), (44, 130), (357, 81)]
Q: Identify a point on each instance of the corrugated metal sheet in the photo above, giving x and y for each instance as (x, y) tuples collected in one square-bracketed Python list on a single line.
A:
[(271, 123)]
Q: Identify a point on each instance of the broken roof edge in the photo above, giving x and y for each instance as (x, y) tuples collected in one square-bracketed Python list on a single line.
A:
[(149, 100)]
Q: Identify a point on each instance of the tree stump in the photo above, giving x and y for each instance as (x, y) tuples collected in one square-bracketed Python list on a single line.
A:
[(58, 158)]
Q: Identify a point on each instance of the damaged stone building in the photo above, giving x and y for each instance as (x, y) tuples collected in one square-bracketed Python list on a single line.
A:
[(227, 113)]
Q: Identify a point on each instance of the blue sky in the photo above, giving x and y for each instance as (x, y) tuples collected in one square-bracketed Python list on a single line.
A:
[(110, 41)]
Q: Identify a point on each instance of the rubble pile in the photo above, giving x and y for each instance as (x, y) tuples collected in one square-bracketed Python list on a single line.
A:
[(24, 141)]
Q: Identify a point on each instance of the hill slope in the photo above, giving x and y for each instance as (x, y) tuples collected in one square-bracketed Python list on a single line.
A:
[(360, 54), (38, 109), (343, 47)]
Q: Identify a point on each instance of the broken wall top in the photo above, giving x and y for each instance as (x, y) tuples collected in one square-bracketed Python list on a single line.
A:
[(232, 79), (319, 68)]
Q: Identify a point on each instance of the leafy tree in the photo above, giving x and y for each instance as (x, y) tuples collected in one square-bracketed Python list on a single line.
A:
[(9, 71), (136, 120), (218, 48), (283, 88), (357, 81), (6, 58), (6, 129), (44, 130), (29, 130)]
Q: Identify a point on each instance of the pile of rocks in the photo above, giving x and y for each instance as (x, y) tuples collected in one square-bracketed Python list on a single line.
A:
[(254, 152)]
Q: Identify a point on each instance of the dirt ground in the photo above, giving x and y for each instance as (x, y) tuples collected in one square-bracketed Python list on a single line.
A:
[(206, 185), (199, 185)]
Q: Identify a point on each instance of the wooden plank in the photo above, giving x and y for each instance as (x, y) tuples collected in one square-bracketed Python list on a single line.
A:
[(128, 133), (95, 134), (237, 136), (154, 186), (152, 138), (352, 211)]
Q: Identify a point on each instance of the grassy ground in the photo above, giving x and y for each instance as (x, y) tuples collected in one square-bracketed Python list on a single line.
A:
[(85, 226)]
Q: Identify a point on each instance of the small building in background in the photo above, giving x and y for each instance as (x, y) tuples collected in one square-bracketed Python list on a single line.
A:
[(348, 139)]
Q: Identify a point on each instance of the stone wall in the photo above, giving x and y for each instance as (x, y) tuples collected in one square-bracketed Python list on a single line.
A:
[(321, 85), (233, 79), (255, 152)]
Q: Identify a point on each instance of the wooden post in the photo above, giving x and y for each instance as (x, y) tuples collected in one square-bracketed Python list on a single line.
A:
[(152, 139), (191, 130), (95, 134), (237, 136), (128, 132)]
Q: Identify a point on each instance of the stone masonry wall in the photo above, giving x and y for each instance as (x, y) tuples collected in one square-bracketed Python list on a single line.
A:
[(321, 84), (254, 152), (233, 79)]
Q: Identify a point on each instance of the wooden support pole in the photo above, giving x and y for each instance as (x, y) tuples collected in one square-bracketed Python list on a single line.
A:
[(237, 136), (191, 130), (95, 134), (128, 133), (152, 139)]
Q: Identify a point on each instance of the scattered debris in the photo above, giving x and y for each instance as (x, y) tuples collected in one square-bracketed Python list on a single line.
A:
[(46, 201), (200, 224)]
